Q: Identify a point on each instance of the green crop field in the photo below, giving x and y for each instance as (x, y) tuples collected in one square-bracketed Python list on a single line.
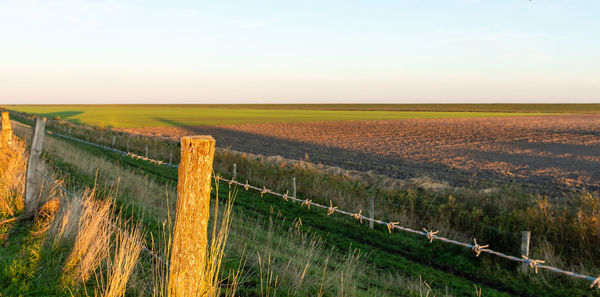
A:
[(136, 116)]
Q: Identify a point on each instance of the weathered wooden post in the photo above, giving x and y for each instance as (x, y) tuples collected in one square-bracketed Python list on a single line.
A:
[(294, 186), (234, 171), (69, 130), (101, 138), (128, 144), (188, 251), (33, 181), (146, 150), (525, 239), (171, 156), (371, 210), (6, 130), (113, 141)]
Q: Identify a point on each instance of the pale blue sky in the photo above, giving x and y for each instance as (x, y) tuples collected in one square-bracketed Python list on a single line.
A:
[(299, 51)]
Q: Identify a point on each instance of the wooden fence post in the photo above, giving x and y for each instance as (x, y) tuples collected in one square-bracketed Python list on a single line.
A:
[(69, 130), (188, 251), (6, 130), (371, 210), (146, 150), (294, 187), (525, 239), (33, 181), (170, 156), (128, 144), (234, 171), (113, 141)]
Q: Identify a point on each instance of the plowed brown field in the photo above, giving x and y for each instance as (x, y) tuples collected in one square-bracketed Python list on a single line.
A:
[(546, 152)]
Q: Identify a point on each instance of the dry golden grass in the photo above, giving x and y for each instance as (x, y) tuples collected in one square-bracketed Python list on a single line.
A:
[(211, 283), (92, 241), (268, 278), (66, 221), (120, 268), (216, 251), (13, 164), (297, 257)]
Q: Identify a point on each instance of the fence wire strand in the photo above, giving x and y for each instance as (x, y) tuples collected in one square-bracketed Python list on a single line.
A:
[(84, 203), (430, 235)]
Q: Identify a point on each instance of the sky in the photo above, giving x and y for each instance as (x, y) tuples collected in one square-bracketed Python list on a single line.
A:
[(372, 51)]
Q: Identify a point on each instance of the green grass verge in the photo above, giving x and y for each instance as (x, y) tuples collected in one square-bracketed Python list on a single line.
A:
[(444, 267)]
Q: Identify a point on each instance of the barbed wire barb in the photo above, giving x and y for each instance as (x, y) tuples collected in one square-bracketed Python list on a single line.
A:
[(477, 248), (430, 235), (534, 264), (358, 216), (596, 282), (331, 208), (391, 225), (307, 203)]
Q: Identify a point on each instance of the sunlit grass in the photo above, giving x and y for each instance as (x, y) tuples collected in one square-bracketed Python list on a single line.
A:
[(168, 116)]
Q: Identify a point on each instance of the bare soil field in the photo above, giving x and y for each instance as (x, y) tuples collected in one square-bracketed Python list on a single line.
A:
[(548, 153)]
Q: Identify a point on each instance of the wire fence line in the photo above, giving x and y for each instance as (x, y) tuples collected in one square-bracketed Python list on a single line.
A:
[(429, 234), (84, 204), (107, 220)]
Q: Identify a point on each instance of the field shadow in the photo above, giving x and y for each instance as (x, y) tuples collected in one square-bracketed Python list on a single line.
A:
[(392, 166), (561, 164), (67, 114), (590, 150)]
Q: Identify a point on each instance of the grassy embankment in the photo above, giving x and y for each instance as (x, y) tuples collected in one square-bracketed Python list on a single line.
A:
[(41, 272), (70, 246), (130, 116), (301, 261), (395, 255), (562, 229)]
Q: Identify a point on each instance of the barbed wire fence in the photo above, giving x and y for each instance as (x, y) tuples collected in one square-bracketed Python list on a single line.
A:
[(428, 234), (85, 205)]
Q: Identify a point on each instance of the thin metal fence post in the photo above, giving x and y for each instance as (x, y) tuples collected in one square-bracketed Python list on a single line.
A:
[(371, 211), (234, 171), (525, 240), (294, 186)]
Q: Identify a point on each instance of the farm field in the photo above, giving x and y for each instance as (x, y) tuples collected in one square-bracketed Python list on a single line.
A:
[(132, 116), (481, 145), (362, 262), (298, 149), (405, 264), (546, 152)]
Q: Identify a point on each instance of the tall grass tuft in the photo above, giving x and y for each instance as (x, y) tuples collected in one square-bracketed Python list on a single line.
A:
[(120, 268), (216, 249), (13, 165), (212, 283), (92, 241), (268, 284)]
